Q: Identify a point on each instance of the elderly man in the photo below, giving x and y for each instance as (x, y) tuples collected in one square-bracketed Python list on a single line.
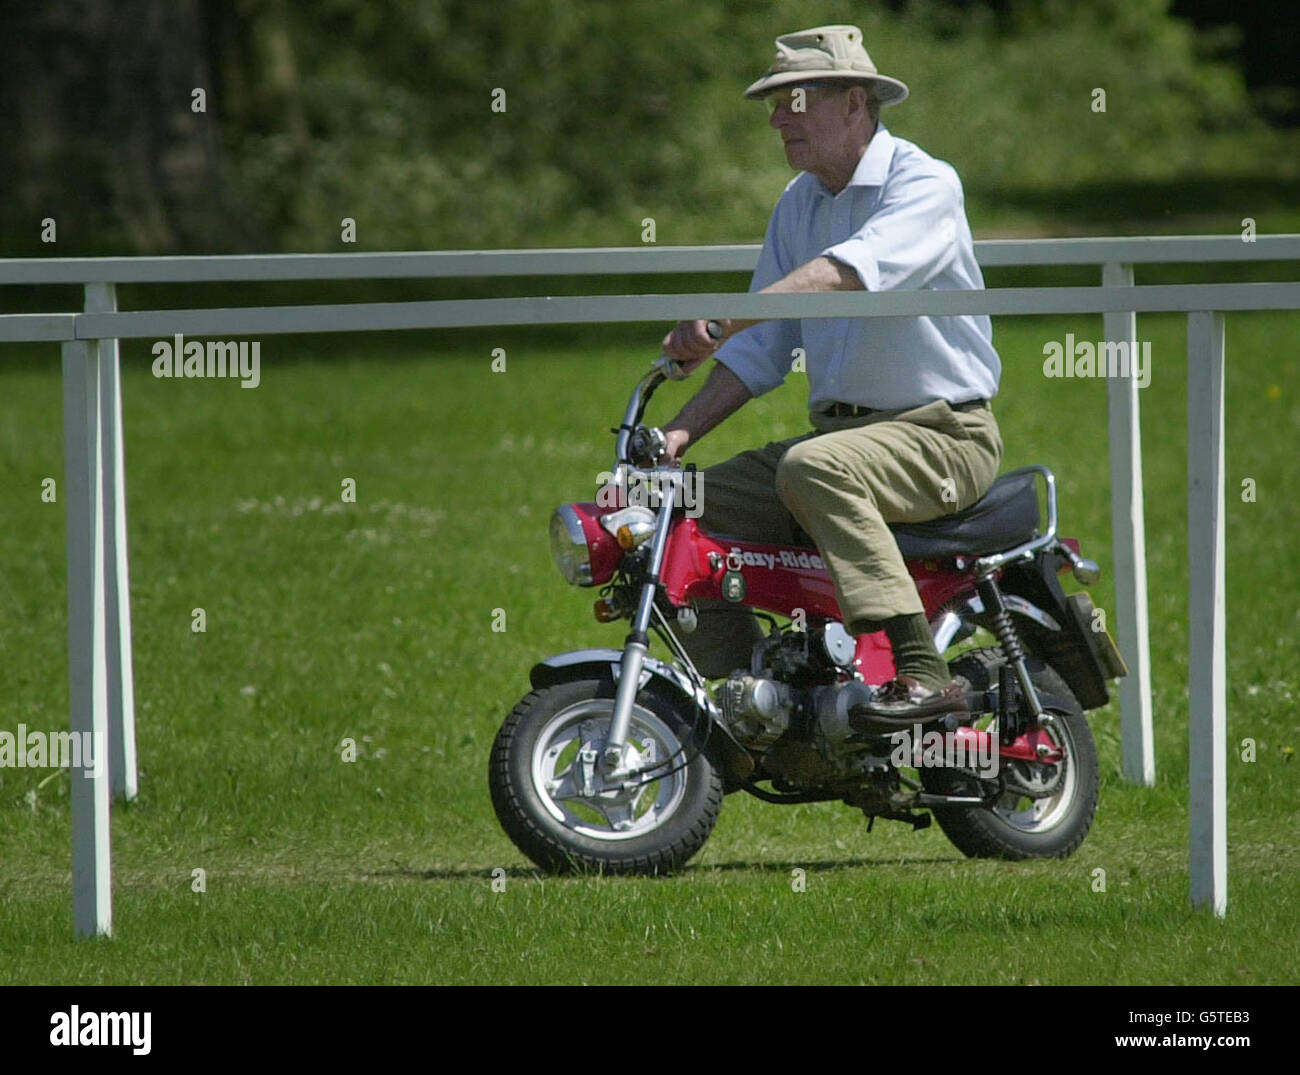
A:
[(902, 430)]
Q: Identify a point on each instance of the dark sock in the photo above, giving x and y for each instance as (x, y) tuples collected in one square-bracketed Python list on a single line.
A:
[(913, 645)]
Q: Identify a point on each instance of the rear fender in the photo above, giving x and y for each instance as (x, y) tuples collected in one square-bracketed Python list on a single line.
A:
[(1080, 650)]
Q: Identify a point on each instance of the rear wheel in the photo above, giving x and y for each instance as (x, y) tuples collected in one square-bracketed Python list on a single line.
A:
[(554, 801), (1035, 810)]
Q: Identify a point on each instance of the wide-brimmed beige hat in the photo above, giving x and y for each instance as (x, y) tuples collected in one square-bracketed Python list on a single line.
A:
[(825, 54)]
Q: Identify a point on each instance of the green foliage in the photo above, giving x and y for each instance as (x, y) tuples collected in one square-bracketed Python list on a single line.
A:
[(382, 111), (615, 113)]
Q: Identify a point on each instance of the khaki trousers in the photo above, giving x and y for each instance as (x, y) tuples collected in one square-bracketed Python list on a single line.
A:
[(841, 485)]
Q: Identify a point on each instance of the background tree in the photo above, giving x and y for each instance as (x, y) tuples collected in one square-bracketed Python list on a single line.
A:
[(380, 110)]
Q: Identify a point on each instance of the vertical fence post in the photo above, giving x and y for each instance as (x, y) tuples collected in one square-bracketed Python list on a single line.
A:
[(1128, 542), (1207, 667), (92, 896), (123, 779)]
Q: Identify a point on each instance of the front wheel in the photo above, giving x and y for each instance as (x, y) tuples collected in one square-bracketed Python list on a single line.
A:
[(1035, 810), (554, 801)]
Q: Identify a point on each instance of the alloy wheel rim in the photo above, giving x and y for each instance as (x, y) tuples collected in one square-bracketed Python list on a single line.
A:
[(592, 807), (1042, 815)]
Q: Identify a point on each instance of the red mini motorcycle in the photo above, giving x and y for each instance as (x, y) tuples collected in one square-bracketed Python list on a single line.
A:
[(618, 761)]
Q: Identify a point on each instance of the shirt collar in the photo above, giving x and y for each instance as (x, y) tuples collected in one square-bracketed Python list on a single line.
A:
[(873, 166)]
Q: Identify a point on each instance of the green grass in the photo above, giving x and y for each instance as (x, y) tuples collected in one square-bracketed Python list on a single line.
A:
[(372, 620)]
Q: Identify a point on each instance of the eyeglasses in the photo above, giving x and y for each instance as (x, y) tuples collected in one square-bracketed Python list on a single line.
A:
[(790, 96)]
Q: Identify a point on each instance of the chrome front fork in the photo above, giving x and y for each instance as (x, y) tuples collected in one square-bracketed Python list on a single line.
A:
[(638, 640)]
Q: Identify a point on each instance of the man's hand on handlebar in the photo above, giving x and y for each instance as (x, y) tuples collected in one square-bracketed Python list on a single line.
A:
[(675, 442), (691, 342)]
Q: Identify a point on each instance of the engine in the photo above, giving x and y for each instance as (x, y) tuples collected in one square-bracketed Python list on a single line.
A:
[(757, 709), (792, 708)]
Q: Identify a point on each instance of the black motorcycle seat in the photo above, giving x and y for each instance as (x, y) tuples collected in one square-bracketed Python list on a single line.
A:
[(1004, 517)]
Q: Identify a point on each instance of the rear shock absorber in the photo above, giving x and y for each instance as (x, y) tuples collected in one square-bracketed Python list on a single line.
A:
[(1009, 713)]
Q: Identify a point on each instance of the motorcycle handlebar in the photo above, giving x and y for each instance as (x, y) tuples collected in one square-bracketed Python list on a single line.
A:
[(663, 368)]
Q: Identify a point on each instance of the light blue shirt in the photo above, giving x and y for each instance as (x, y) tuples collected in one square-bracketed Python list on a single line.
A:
[(900, 223)]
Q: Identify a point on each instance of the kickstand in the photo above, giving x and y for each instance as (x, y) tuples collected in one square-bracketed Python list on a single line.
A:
[(917, 821)]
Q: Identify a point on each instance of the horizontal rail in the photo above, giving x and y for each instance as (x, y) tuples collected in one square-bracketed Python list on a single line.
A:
[(606, 260), (586, 309), (1137, 250), (16, 328)]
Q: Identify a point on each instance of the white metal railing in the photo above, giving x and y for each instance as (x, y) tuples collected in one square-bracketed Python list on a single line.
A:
[(1167, 249), (99, 630)]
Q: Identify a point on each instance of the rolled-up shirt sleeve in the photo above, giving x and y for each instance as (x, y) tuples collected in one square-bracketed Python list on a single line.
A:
[(910, 238), (762, 354)]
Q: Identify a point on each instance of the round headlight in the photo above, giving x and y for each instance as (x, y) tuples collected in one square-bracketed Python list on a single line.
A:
[(569, 547)]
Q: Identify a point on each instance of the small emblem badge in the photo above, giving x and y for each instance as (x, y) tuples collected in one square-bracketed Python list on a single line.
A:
[(733, 582)]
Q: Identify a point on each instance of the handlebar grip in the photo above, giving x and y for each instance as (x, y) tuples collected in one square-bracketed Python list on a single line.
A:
[(671, 368)]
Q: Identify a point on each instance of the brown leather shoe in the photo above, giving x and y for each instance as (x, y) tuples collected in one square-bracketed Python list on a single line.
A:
[(903, 701)]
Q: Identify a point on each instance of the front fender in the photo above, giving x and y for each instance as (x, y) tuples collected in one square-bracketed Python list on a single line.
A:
[(580, 662)]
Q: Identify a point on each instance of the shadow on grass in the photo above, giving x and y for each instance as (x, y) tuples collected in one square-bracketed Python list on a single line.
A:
[(824, 866), (820, 866)]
